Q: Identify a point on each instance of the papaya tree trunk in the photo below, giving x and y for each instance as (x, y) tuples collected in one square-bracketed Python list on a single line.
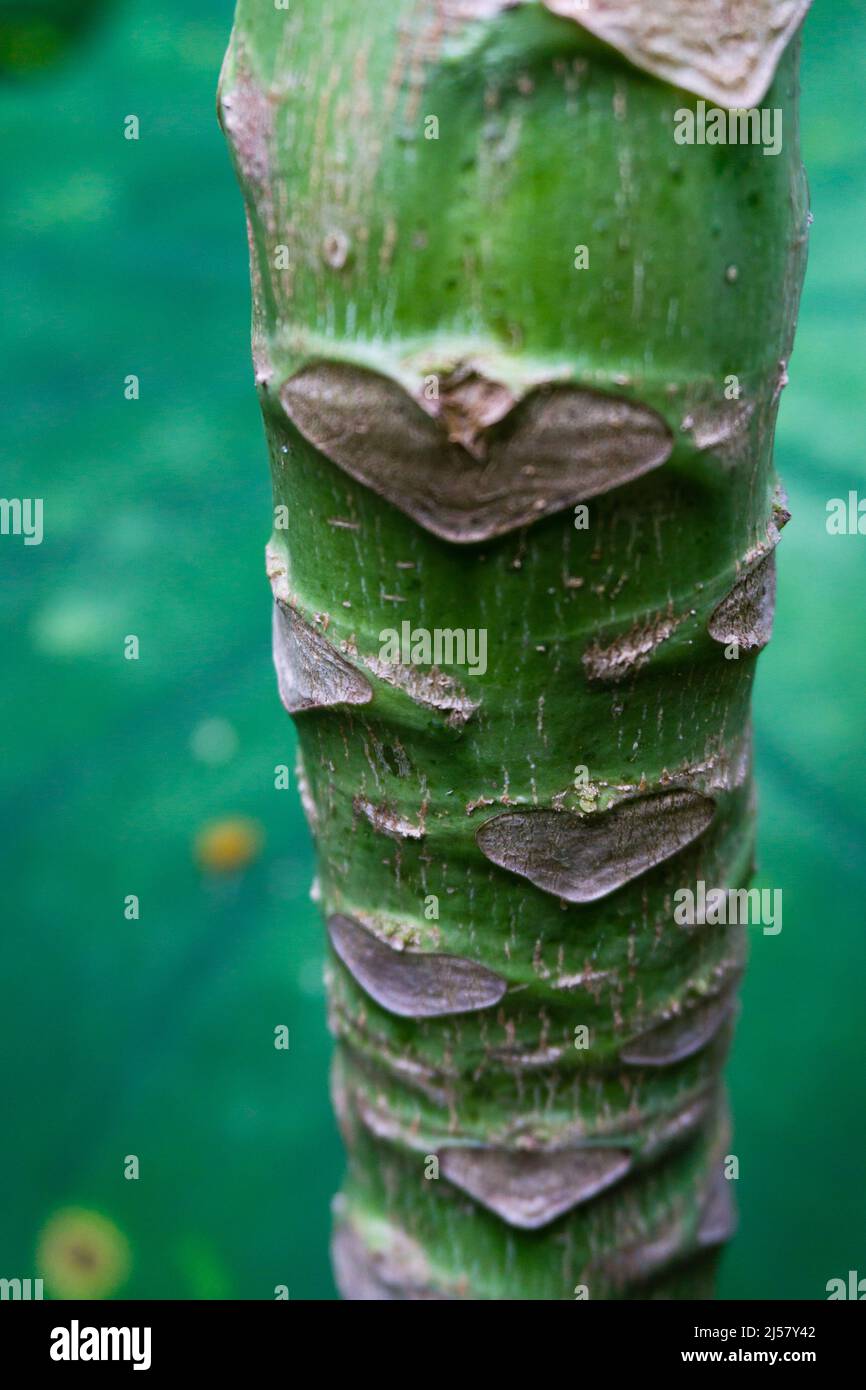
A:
[(520, 330)]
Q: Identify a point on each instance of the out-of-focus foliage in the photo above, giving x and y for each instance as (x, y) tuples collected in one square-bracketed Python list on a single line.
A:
[(35, 33)]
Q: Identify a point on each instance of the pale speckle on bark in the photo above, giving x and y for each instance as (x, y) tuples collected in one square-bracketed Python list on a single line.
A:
[(311, 673), (722, 426), (529, 1190), (558, 445), (409, 983), (583, 858), (629, 652), (431, 689), (308, 804), (335, 249), (388, 821), (519, 1059)]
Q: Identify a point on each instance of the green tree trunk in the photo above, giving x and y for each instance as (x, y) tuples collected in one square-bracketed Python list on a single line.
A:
[(519, 353)]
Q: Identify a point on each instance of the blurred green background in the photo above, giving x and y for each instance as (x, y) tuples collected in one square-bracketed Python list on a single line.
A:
[(155, 1037)]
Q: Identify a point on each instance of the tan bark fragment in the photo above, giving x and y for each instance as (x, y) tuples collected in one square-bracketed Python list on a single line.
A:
[(745, 616), (413, 984), (311, 673), (558, 445), (583, 858), (724, 50), (468, 404), (529, 1190)]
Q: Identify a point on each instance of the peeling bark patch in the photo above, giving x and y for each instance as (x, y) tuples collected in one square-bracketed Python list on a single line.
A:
[(779, 517), (311, 673), (722, 427), (247, 117), (388, 821), (529, 1190), (462, 468), (628, 653), (430, 689), (724, 50), (399, 1274), (468, 405), (745, 616), (410, 984), (584, 858), (680, 1037), (727, 766)]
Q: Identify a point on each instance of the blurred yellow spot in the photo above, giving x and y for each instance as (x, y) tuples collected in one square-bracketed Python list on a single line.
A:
[(227, 846), (82, 1254)]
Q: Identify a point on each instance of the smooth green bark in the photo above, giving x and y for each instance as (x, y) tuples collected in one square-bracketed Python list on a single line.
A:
[(418, 183)]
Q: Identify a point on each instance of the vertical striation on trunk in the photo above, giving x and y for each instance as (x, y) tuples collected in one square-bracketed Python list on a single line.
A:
[(519, 356)]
